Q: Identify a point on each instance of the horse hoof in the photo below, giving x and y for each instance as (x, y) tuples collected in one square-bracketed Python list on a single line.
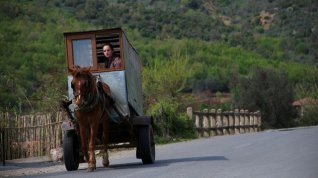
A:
[(106, 164), (105, 160), (91, 169)]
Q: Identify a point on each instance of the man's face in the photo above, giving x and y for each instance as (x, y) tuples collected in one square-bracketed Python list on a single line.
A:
[(107, 51)]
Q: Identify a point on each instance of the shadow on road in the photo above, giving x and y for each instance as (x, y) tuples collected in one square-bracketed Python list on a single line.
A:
[(10, 165), (166, 162)]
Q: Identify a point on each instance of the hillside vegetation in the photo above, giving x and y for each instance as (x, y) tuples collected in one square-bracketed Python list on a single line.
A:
[(186, 46)]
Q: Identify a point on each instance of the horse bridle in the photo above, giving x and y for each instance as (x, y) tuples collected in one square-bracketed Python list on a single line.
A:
[(91, 101)]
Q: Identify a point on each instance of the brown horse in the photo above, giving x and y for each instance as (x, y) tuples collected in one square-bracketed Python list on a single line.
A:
[(92, 101)]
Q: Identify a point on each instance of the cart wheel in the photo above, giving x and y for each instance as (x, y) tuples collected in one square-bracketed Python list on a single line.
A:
[(71, 150), (146, 145)]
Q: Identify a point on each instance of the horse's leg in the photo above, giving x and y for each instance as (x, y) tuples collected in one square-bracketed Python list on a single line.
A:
[(106, 139), (83, 134), (91, 146)]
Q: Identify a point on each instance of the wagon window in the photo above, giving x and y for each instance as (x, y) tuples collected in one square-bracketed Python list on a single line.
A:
[(82, 52), (101, 39)]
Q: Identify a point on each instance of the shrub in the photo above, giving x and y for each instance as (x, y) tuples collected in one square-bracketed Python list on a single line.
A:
[(270, 92), (168, 122), (309, 116)]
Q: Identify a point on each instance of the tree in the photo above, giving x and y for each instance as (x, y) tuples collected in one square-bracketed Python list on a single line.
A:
[(308, 88), (166, 77), (270, 92), (163, 80)]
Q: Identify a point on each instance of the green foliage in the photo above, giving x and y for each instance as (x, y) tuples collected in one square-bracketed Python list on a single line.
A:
[(270, 92), (182, 45), (293, 22), (163, 79), (270, 48), (308, 88), (205, 20), (309, 116), (169, 121), (166, 76), (32, 55)]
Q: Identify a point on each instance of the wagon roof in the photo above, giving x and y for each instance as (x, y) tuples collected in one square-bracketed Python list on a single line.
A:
[(94, 31)]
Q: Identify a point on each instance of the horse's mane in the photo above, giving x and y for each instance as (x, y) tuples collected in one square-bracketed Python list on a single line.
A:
[(82, 72)]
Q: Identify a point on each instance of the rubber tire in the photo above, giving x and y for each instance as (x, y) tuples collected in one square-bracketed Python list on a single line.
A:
[(146, 145), (71, 150)]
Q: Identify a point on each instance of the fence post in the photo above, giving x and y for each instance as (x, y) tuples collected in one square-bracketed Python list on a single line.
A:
[(242, 120), (231, 122), (205, 123), (246, 121), (237, 121), (212, 118), (255, 121), (3, 155), (259, 121), (225, 121), (190, 113), (197, 122), (219, 123), (251, 116)]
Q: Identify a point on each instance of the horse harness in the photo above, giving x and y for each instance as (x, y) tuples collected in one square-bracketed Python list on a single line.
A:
[(93, 99)]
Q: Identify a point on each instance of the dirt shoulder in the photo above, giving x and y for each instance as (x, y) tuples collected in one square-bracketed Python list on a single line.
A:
[(30, 166), (42, 165)]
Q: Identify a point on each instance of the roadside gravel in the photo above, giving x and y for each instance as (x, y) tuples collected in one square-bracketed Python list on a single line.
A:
[(42, 165)]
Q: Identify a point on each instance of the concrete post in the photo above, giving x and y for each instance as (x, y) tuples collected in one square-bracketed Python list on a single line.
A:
[(255, 125), (251, 116), (237, 121), (242, 121), (247, 121), (259, 120), (231, 122), (219, 123), (190, 113), (197, 123), (225, 121), (205, 123), (212, 117)]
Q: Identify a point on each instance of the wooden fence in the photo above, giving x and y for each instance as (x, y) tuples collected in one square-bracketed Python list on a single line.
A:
[(212, 122), (30, 135)]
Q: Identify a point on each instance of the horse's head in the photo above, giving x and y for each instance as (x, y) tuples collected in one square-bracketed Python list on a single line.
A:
[(83, 85)]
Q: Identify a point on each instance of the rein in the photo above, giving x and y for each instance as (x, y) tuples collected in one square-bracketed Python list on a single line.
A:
[(92, 99), (90, 103)]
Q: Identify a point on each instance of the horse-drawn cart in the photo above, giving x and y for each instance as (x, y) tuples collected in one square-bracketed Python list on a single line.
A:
[(128, 127)]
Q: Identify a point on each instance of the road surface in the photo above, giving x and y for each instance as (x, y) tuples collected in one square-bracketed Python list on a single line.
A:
[(274, 153)]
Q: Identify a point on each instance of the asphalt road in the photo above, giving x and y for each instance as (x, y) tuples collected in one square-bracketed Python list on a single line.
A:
[(275, 153)]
